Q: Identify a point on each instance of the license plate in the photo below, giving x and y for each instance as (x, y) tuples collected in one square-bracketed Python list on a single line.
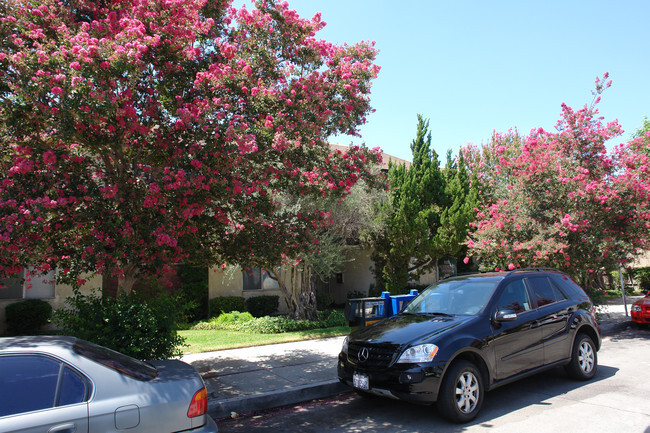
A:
[(360, 381)]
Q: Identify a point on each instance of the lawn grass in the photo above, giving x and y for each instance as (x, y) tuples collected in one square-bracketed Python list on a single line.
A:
[(210, 340)]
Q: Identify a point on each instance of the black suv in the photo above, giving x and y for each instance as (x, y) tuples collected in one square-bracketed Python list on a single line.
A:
[(466, 335)]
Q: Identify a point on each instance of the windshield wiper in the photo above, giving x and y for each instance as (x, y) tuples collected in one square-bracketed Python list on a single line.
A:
[(430, 313)]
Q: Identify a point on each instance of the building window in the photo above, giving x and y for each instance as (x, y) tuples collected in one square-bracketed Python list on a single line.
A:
[(252, 279), (28, 286), (339, 278), (257, 279)]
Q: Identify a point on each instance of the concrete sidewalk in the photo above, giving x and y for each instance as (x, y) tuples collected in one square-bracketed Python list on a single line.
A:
[(263, 377)]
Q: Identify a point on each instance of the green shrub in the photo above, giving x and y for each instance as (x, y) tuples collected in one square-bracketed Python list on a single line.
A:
[(244, 322), (615, 284), (260, 306), (234, 316), (225, 321), (141, 328), (324, 301), (193, 292), (642, 277), (27, 317), (226, 304)]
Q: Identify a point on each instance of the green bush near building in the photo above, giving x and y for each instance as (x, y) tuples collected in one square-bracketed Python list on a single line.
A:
[(245, 322), (226, 304), (27, 317), (260, 306), (138, 327)]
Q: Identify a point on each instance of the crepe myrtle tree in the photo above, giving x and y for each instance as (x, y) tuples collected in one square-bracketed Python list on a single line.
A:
[(558, 199), (138, 134)]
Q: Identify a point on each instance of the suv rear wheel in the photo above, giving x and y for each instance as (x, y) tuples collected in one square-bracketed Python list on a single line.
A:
[(461, 392), (584, 361)]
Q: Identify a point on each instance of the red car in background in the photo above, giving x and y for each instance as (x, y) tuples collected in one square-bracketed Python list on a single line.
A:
[(641, 310)]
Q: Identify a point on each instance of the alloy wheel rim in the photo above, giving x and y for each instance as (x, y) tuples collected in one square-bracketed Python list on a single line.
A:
[(586, 357), (467, 392)]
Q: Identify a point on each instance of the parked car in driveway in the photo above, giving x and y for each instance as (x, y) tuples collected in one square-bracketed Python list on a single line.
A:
[(464, 336), (640, 310), (65, 385)]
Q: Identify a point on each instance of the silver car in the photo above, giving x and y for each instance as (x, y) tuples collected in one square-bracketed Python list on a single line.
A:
[(65, 385)]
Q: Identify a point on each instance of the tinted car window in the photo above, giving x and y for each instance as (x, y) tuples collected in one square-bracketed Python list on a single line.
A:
[(514, 297), (72, 389), (559, 294), (542, 290), (569, 286), (28, 383)]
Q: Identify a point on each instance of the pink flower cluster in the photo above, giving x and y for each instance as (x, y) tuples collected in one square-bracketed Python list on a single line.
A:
[(558, 198)]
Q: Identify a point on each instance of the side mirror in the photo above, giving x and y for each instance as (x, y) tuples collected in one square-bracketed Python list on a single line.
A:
[(505, 316)]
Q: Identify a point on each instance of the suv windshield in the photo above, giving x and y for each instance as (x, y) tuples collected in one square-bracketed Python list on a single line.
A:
[(464, 296)]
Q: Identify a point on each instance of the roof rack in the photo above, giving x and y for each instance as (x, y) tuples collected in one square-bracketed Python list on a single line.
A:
[(534, 270), (463, 274)]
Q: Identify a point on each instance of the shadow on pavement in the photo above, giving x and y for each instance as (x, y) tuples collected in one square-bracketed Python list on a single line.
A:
[(632, 332), (358, 414)]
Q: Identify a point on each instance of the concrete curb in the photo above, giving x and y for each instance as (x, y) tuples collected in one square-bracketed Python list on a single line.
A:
[(224, 408), (609, 329)]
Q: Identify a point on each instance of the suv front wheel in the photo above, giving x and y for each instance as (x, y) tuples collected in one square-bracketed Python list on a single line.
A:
[(461, 393), (584, 360)]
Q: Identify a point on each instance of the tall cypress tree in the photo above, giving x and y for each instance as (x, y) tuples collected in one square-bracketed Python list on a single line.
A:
[(408, 246), (458, 212)]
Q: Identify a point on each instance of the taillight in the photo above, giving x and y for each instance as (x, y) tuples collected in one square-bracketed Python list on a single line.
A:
[(199, 403)]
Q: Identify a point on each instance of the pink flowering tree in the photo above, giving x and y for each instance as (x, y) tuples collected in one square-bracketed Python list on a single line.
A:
[(138, 134), (558, 199)]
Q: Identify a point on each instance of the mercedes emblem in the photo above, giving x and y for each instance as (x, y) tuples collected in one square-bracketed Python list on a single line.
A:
[(363, 355)]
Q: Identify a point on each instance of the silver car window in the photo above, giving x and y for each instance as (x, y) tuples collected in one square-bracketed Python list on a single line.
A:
[(28, 383)]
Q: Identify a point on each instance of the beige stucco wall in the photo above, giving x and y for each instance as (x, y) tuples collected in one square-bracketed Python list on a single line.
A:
[(230, 282), (357, 274), (61, 293), (642, 261), (357, 277)]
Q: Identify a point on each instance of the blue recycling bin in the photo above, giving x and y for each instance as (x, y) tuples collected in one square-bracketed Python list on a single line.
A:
[(398, 302), (366, 311)]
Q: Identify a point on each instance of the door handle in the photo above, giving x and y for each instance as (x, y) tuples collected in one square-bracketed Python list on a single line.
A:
[(63, 428)]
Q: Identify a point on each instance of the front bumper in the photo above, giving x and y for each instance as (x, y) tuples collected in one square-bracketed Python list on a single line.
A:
[(415, 383), (642, 316)]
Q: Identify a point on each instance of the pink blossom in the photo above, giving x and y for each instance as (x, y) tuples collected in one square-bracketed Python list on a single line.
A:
[(49, 158)]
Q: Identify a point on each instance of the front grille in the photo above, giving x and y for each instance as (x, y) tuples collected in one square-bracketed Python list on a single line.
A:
[(379, 355)]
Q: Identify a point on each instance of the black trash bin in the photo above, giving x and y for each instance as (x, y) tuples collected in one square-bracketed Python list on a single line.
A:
[(365, 311)]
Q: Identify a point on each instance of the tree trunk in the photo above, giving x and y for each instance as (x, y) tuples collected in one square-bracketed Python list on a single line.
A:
[(298, 290), (128, 280)]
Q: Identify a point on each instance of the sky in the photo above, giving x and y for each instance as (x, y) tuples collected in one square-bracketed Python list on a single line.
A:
[(473, 67)]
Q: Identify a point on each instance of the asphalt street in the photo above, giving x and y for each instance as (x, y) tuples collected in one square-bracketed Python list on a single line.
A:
[(615, 400)]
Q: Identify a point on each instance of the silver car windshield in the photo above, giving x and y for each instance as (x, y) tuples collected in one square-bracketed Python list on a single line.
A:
[(464, 297)]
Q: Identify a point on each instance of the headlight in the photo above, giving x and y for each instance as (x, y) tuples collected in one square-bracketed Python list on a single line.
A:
[(344, 349), (417, 354), (636, 308)]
